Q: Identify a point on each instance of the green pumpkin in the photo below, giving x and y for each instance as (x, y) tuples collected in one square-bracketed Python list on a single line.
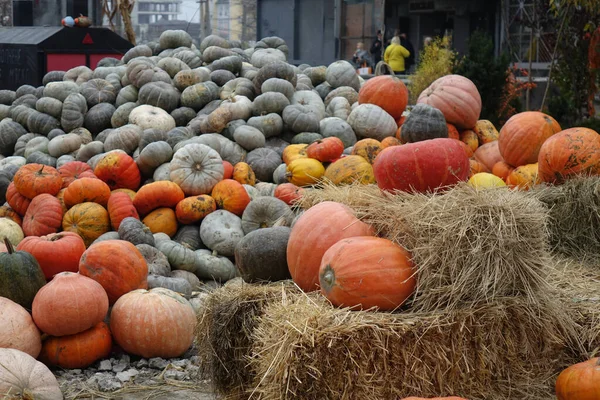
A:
[(20, 276)]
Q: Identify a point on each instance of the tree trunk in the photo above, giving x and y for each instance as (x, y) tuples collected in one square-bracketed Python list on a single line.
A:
[(125, 9)]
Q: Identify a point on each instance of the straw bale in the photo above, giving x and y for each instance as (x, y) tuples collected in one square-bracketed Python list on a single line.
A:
[(508, 349), (574, 216)]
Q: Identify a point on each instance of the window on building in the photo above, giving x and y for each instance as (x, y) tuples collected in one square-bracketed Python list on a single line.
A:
[(144, 19)]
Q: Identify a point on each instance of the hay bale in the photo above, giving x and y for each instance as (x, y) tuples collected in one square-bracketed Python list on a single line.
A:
[(574, 216), (225, 327), (304, 348)]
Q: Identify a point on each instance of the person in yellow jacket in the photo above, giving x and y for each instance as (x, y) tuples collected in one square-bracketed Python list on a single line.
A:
[(395, 55)]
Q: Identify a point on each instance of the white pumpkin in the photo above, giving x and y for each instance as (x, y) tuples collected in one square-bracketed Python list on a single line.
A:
[(148, 117), (220, 231), (196, 168), (371, 121), (22, 376), (17, 330), (11, 230)]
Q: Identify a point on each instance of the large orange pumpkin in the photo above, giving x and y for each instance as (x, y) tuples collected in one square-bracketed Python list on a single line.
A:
[(85, 190), (74, 170), (316, 231), (457, 98), (44, 216), (162, 220), (153, 323), (387, 92), (79, 350), (488, 154), (118, 170), (367, 272), (580, 381), (68, 245), (571, 152), (16, 200), (231, 196), (193, 209), (523, 177), (120, 206), (523, 135), (71, 303), (117, 265), (422, 166), (325, 150), (156, 195), (88, 220), (33, 179)]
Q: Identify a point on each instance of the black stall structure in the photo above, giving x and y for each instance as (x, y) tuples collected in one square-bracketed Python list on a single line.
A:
[(28, 53)]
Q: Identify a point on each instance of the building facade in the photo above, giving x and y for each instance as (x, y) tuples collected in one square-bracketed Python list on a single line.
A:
[(235, 19)]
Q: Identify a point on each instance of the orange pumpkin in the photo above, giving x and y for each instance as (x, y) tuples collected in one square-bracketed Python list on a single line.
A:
[(231, 196), (453, 132), (7, 212), (85, 190), (162, 220), (325, 150), (470, 139), (477, 167), (400, 121), (523, 177), (486, 131), (156, 195), (293, 152), (192, 209), (390, 141), (18, 331), (501, 169), (350, 169), (44, 216), (367, 149), (71, 303), (244, 174), (398, 134), (466, 147), (580, 381), (228, 168), (387, 92), (78, 351), (16, 200), (523, 135), (74, 170), (488, 154), (61, 197), (33, 179), (118, 170), (288, 193), (88, 220), (68, 245), (153, 323), (129, 192), (120, 206), (574, 151), (117, 265), (316, 231), (367, 272)]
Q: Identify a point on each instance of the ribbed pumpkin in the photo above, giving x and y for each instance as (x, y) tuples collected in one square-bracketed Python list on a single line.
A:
[(350, 169), (16, 200), (523, 177), (162, 220), (288, 193), (68, 245), (470, 138), (44, 216), (156, 195), (118, 170), (293, 152), (71, 303), (580, 381), (88, 220), (387, 92), (17, 330), (501, 169), (120, 206), (325, 150), (117, 265), (74, 170), (457, 98), (488, 154), (85, 190), (367, 149), (574, 151), (484, 180), (316, 231), (243, 173), (366, 272), (231, 196), (421, 167), (33, 179), (195, 208), (153, 323), (80, 350), (20, 276), (486, 131), (304, 171), (523, 135), (61, 197)]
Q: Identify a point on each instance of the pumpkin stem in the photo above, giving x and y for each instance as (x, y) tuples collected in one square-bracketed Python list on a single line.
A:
[(327, 278), (9, 246), (215, 253), (41, 169)]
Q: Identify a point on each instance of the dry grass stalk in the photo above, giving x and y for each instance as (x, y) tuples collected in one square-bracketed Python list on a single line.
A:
[(224, 330), (574, 216), (508, 349)]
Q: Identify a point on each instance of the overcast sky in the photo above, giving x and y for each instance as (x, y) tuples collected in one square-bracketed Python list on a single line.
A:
[(188, 8)]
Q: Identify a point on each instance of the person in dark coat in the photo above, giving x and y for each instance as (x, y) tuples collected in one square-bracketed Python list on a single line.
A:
[(376, 49), (410, 60)]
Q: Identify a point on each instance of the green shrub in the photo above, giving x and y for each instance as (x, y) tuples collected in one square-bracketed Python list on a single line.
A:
[(435, 60)]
